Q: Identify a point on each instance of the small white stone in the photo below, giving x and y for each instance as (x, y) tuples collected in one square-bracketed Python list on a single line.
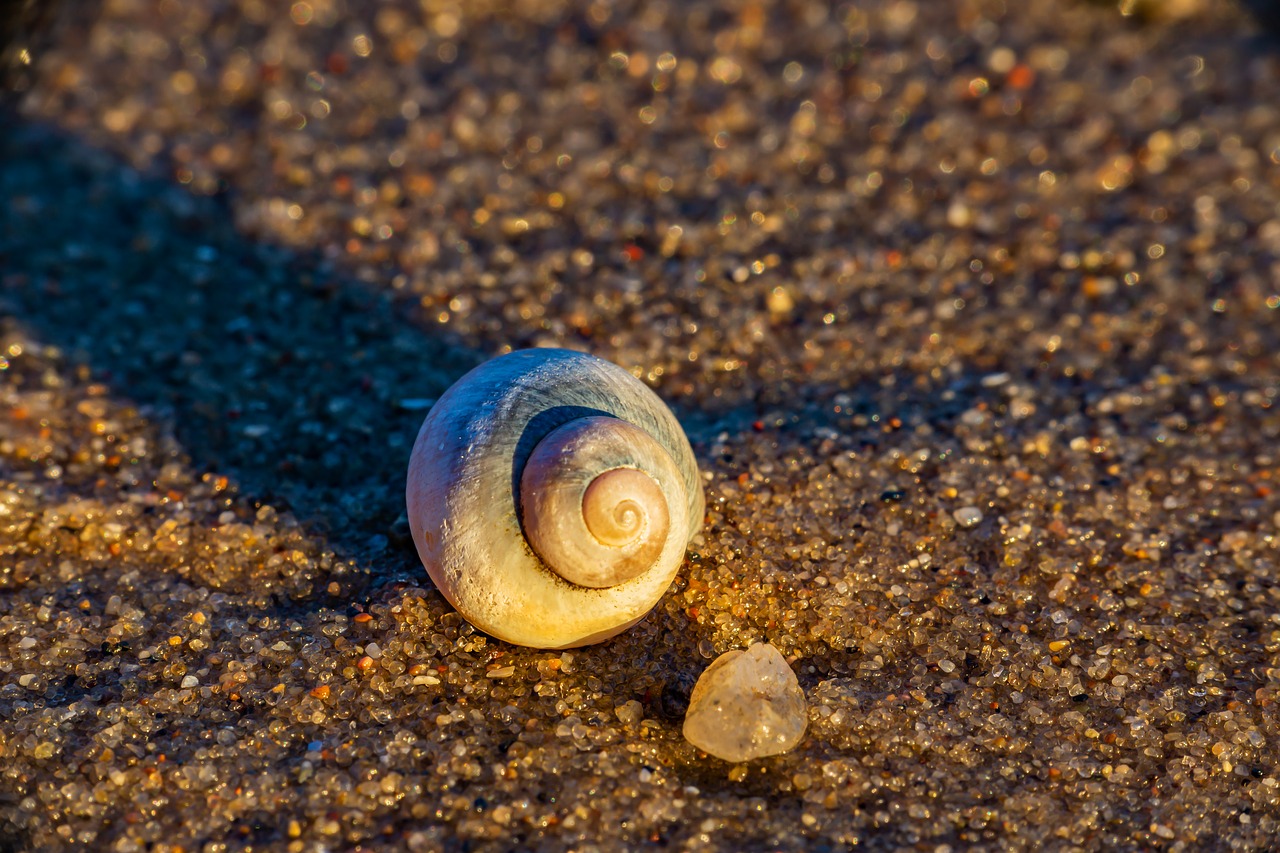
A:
[(190, 681), (747, 705), (968, 516)]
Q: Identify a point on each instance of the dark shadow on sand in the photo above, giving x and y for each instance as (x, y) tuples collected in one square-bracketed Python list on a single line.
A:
[(276, 367), (270, 365)]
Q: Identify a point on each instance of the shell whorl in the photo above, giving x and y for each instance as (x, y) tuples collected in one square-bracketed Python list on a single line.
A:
[(595, 500), (552, 434)]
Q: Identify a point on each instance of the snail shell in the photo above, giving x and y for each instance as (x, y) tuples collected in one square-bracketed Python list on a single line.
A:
[(551, 496)]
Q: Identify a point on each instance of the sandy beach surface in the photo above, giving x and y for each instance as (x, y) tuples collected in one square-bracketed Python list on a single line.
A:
[(971, 311)]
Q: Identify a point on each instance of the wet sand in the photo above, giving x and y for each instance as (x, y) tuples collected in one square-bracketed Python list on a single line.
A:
[(971, 312)]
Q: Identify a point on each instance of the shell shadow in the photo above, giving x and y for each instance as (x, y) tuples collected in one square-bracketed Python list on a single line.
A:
[(269, 365)]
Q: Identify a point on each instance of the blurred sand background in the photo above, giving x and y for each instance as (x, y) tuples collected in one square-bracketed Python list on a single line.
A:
[(971, 311)]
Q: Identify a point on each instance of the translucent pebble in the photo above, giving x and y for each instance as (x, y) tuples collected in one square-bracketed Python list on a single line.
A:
[(630, 712), (746, 705), (968, 516)]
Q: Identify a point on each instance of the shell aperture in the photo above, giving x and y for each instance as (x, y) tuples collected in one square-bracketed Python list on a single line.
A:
[(551, 497)]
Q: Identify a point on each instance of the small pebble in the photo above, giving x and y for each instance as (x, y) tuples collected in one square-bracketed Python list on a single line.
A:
[(630, 712), (968, 516), (747, 705)]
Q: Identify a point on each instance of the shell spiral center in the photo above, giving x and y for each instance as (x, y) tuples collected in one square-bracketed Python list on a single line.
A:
[(596, 501), (619, 506)]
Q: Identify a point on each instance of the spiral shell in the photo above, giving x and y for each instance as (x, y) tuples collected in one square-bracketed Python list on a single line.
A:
[(551, 497)]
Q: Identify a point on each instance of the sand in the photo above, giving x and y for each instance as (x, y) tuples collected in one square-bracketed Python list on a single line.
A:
[(971, 312)]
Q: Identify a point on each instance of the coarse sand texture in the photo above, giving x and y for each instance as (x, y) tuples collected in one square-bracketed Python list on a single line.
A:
[(970, 311)]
